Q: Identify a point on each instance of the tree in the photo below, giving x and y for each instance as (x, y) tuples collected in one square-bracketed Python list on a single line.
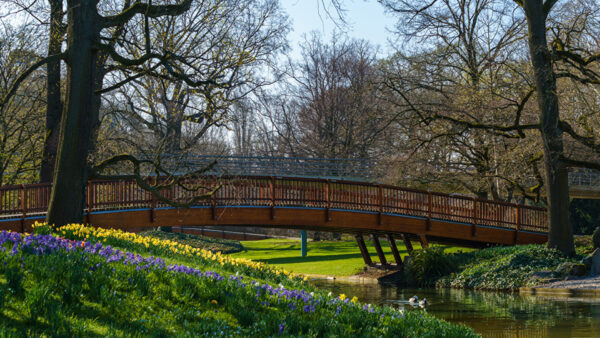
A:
[(20, 129), (54, 104), (176, 116), (463, 69), (102, 43), (330, 109), (569, 51), (560, 234)]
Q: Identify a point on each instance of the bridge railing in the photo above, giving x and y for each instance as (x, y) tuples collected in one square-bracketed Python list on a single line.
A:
[(270, 191), (333, 168)]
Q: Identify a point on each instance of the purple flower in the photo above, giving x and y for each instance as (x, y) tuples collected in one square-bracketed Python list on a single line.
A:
[(47, 244), (281, 327)]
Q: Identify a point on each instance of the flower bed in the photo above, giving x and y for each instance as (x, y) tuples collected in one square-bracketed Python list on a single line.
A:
[(69, 287), (168, 248)]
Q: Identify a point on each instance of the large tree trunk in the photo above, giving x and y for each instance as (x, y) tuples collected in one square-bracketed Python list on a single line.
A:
[(54, 104), (173, 132), (79, 117), (561, 234)]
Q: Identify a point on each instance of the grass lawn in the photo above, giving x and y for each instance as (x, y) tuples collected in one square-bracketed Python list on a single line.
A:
[(91, 282), (332, 258)]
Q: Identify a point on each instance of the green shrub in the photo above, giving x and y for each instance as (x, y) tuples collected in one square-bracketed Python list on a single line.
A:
[(504, 268), (426, 266)]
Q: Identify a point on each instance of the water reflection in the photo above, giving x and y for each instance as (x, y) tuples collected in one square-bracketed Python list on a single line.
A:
[(489, 313)]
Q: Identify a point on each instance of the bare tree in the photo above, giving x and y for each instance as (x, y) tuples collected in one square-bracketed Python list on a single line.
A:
[(571, 54), (331, 108), (459, 65), (103, 42), (21, 132), (172, 116)]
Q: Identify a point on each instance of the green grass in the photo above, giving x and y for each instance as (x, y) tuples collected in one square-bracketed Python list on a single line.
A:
[(201, 242), (331, 258), (60, 287)]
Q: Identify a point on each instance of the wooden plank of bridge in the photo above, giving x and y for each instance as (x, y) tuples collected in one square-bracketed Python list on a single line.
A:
[(394, 248), (363, 249), (379, 250), (407, 243)]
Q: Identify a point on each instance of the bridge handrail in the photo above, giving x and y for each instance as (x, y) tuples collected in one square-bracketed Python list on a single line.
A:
[(273, 191)]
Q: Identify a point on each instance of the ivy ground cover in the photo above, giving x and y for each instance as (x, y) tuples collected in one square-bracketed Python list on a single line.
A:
[(59, 286)]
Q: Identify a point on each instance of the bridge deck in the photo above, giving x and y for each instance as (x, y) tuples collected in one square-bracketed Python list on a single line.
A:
[(314, 204)]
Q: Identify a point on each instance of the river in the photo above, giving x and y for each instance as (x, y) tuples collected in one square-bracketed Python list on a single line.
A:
[(492, 314)]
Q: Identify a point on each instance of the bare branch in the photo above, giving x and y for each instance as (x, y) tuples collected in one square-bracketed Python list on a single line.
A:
[(148, 10), (26, 73)]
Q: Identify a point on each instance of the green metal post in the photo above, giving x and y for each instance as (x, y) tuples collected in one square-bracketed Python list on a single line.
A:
[(303, 239)]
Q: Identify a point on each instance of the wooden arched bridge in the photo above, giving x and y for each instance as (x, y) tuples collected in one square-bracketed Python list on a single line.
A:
[(301, 203)]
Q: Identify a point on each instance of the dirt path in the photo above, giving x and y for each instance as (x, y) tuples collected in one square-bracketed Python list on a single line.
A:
[(578, 283)]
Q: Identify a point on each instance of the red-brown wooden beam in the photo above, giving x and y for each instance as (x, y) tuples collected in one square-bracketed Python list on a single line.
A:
[(363, 249), (394, 248), (424, 242), (407, 243), (379, 250)]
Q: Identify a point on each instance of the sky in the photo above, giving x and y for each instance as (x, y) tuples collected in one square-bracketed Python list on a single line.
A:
[(366, 20)]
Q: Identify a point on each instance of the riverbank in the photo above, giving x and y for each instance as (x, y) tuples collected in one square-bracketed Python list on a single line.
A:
[(575, 283), (84, 281), (326, 258), (495, 268)]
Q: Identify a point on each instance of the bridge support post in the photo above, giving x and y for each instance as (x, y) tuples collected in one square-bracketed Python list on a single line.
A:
[(407, 243), (213, 201), (379, 204), (272, 186), (517, 223), (363, 249), (379, 250), (424, 243), (327, 201), (152, 207), (88, 202), (394, 248), (429, 207), (474, 225), (303, 247), (23, 207)]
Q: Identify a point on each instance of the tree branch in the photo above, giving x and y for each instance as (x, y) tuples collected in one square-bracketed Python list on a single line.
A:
[(13, 89), (148, 10), (154, 189)]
